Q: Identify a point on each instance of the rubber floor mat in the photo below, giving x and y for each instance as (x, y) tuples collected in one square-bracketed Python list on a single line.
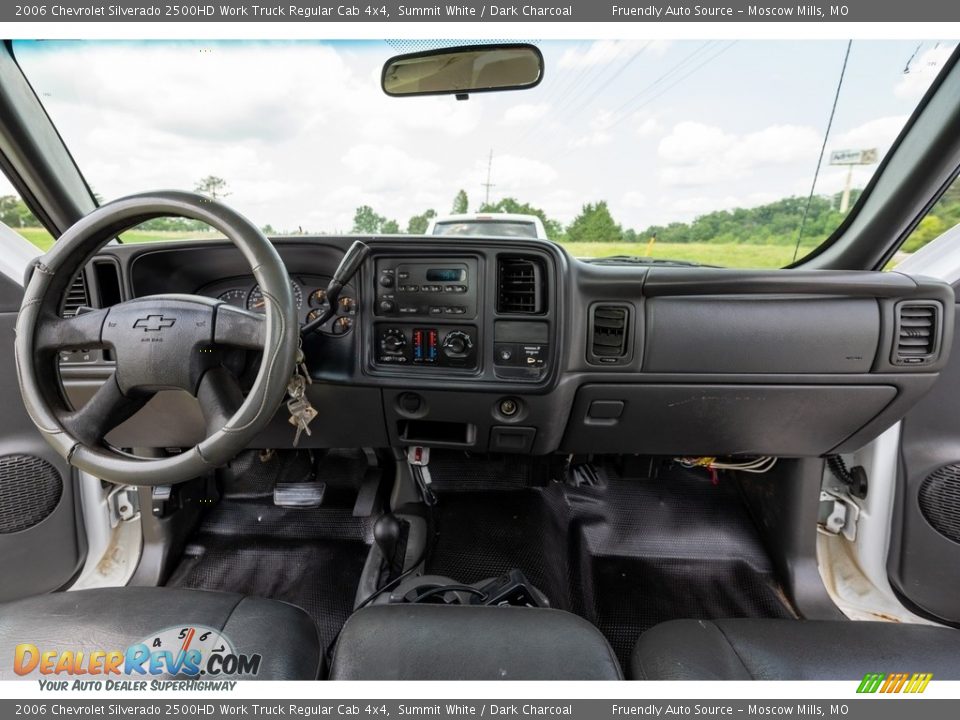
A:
[(625, 556), (309, 557)]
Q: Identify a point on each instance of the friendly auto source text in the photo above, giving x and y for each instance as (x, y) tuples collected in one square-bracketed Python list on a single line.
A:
[(674, 11)]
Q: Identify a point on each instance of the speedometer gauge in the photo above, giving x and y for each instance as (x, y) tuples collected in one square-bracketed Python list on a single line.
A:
[(236, 297), (255, 299)]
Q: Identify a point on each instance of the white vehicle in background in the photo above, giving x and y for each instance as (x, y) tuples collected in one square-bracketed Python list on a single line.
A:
[(506, 225)]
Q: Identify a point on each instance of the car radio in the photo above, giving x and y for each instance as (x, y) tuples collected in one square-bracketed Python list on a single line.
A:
[(441, 288)]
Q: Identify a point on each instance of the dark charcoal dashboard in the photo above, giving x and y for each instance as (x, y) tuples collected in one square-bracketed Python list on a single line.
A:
[(513, 346)]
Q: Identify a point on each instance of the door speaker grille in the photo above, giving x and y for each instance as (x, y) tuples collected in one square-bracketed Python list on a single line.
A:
[(30, 489), (940, 501)]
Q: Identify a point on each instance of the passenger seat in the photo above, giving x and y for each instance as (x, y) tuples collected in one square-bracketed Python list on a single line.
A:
[(793, 650), (456, 642)]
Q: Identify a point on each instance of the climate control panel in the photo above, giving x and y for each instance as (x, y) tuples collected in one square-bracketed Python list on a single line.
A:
[(422, 345)]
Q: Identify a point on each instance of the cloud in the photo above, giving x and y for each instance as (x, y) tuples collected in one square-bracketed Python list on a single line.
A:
[(600, 52), (634, 199), (597, 130), (922, 71), (386, 167), (178, 87), (524, 114), (647, 125), (591, 139), (879, 133), (699, 154)]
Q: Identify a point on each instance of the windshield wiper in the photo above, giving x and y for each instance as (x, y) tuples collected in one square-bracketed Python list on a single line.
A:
[(643, 260)]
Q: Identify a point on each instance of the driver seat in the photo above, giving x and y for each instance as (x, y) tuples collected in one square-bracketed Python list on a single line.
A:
[(110, 619)]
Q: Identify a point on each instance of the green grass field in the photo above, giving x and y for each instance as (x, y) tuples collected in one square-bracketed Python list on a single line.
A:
[(43, 240), (730, 255)]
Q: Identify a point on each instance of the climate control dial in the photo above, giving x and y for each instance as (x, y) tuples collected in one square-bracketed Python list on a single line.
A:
[(393, 341), (457, 344)]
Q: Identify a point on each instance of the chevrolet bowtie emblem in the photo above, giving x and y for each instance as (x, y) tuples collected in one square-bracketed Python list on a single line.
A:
[(154, 323)]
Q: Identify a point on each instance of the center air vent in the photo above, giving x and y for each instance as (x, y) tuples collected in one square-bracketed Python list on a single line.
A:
[(609, 336), (917, 333), (75, 297), (520, 286)]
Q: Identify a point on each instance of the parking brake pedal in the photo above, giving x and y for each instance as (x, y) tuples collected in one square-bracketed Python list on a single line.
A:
[(299, 494)]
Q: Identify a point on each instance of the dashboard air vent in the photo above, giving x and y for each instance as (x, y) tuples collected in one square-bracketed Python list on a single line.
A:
[(520, 286), (608, 333), (75, 297), (917, 333)]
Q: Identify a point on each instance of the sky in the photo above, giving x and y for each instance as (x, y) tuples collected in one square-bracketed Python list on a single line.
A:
[(661, 130)]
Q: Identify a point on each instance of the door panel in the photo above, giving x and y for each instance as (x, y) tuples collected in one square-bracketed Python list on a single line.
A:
[(924, 560), (41, 542)]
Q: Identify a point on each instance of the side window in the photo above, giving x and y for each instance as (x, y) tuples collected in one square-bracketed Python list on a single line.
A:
[(943, 216), (15, 214)]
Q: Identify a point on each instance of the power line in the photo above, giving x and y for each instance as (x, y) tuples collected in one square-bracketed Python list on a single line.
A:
[(588, 74), (582, 83), (666, 89), (673, 69), (666, 75), (823, 150), (609, 80), (563, 85)]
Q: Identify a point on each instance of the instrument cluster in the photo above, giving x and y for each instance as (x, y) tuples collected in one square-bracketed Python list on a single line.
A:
[(309, 296)]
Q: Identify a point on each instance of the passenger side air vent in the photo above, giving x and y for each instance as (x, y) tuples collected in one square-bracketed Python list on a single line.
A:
[(520, 286), (609, 334), (75, 297), (917, 333)]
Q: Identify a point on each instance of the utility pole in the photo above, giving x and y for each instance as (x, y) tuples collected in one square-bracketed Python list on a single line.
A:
[(845, 198), (487, 185)]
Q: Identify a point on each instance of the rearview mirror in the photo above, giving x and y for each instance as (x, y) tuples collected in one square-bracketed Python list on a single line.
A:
[(463, 70)]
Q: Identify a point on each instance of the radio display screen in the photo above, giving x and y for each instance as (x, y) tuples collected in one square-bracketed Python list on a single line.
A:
[(445, 274)]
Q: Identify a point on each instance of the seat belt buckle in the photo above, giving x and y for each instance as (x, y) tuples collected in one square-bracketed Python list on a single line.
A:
[(418, 455)]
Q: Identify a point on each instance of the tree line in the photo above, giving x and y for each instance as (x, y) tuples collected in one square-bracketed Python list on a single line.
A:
[(775, 223)]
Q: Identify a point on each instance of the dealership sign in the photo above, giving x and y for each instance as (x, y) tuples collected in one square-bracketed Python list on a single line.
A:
[(853, 157)]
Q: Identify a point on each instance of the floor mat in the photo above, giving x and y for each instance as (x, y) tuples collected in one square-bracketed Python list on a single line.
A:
[(625, 556), (309, 557)]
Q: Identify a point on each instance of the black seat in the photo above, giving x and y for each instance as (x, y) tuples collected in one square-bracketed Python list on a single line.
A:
[(453, 642), (114, 618), (792, 650)]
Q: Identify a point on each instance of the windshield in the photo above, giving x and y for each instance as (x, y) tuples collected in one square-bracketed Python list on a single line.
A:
[(730, 153), (490, 228)]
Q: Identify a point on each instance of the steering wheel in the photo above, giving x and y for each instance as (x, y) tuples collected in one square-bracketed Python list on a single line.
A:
[(159, 342)]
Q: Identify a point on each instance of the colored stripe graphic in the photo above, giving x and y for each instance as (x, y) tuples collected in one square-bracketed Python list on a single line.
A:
[(870, 683), (894, 683)]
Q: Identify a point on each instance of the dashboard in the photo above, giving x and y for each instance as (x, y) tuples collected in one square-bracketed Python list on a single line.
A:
[(512, 345)]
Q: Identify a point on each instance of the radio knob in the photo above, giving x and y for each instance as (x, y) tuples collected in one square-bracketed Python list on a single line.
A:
[(386, 280), (457, 344), (388, 307), (393, 341)]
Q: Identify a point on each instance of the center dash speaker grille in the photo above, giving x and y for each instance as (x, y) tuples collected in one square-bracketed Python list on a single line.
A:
[(940, 501), (30, 489)]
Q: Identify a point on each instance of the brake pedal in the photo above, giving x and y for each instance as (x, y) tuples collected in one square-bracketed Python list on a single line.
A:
[(299, 494)]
